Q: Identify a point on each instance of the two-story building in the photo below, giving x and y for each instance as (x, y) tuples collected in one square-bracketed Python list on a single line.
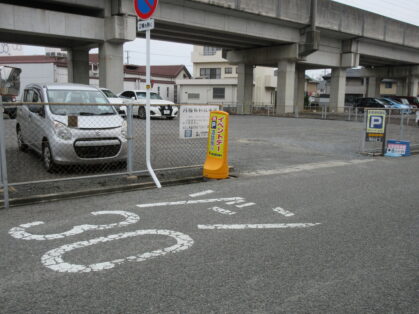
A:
[(215, 81), (52, 68)]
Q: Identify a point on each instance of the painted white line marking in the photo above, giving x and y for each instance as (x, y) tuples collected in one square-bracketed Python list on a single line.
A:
[(283, 212), (257, 226), (214, 200), (54, 259), (201, 193), (21, 233), (307, 167), (235, 202), (245, 205), (222, 211)]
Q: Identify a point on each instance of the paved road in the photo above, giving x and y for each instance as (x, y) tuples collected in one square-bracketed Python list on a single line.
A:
[(342, 239)]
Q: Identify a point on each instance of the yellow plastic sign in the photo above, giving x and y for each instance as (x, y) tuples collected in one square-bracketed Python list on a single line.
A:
[(216, 164)]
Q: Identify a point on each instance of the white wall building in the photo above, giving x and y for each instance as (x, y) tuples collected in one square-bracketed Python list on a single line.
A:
[(10, 50), (52, 68), (215, 80)]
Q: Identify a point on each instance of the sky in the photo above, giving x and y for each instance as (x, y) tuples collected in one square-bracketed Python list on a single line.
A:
[(165, 53)]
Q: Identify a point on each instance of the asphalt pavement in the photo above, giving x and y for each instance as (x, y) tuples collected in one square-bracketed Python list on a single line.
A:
[(335, 233)]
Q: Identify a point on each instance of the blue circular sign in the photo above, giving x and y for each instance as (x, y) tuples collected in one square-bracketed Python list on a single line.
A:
[(145, 8)]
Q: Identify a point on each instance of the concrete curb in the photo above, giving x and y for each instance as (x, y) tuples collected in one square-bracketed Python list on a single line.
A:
[(101, 191)]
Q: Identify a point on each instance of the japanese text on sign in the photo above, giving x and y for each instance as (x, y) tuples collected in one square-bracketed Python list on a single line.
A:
[(217, 136), (194, 121)]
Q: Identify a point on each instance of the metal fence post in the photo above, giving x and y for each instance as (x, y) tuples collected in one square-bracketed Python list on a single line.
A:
[(401, 125), (364, 132), (3, 166), (130, 166)]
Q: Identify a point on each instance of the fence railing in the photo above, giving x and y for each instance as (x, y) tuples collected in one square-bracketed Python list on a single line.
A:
[(52, 148)]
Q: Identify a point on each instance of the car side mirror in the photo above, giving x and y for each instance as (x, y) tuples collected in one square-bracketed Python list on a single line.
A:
[(38, 109)]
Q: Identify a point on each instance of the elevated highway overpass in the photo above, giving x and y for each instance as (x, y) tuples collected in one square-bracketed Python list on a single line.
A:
[(291, 35)]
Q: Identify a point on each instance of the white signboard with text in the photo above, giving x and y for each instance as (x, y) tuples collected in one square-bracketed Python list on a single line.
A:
[(193, 121)]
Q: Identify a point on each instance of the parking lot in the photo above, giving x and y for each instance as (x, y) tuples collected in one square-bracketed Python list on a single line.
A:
[(256, 143), (307, 224), (330, 235)]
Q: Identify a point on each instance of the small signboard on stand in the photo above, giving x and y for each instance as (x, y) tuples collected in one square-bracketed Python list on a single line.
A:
[(193, 121), (376, 128), (401, 148), (376, 125)]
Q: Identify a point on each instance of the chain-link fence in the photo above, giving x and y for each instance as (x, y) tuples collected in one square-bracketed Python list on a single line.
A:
[(63, 147), (401, 125)]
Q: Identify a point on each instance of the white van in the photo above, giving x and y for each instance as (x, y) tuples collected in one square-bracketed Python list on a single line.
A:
[(70, 134)]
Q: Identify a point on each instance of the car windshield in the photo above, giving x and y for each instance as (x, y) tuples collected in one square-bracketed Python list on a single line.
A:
[(109, 94), (386, 101), (380, 101), (79, 97), (143, 95)]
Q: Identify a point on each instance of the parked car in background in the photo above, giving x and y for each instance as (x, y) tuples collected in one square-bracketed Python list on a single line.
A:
[(114, 99), (362, 103), (160, 108), (412, 101), (70, 134), (396, 105), (9, 110)]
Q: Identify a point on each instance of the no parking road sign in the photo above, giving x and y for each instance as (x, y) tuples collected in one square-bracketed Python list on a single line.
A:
[(145, 8)]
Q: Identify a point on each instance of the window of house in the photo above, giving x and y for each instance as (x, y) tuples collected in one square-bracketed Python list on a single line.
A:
[(193, 96), (228, 70), (210, 73), (389, 85), (210, 51), (218, 93)]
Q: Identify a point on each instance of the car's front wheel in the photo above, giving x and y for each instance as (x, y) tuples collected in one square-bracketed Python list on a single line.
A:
[(20, 142), (47, 158)]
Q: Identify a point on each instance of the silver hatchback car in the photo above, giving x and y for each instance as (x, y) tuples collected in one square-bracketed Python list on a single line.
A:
[(66, 130)]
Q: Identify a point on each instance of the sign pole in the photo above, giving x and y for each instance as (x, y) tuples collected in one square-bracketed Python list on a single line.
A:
[(383, 148), (148, 122), (3, 166)]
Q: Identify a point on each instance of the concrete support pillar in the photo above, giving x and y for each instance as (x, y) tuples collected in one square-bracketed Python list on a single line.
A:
[(285, 87), (401, 87), (300, 89), (78, 65), (413, 86), (338, 90), (374, 87), (245, 88), (111, 66)]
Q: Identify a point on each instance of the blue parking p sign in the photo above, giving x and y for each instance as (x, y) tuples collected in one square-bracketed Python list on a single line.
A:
[(376, 121)]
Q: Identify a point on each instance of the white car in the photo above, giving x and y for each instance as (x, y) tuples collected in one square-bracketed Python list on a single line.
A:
[(115, 100), (70, 134), (160, 108)]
